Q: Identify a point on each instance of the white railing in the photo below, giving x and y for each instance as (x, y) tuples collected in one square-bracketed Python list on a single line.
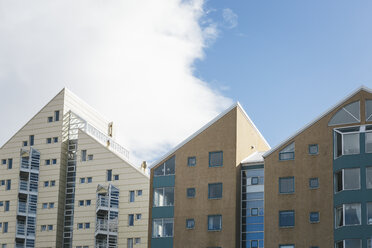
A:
[(22, 207), (21, 229), (23, 185), (107, 225), (102, 201)]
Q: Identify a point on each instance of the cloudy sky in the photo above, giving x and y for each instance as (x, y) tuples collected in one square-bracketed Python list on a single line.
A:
[(161, 69)]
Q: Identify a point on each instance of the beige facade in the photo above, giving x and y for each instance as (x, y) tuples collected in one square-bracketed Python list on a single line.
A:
[(304, 199), (51, 139), (233, 134)]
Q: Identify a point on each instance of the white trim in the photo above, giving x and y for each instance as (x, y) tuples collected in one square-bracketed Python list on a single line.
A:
[(317, 119), (237, 104)]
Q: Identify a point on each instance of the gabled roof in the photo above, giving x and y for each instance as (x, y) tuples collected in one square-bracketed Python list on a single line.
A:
[(361, 88), (254, 158), (237, 104)]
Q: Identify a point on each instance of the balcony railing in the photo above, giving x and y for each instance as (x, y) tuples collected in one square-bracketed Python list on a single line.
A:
[(23, 185), (107, 226), (21, 229), (22, 207), (102, 201)]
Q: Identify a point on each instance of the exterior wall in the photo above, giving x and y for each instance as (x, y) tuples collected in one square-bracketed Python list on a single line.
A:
[(252, 226), (41, 129), (129, 179), (305, 200), (219, 136)]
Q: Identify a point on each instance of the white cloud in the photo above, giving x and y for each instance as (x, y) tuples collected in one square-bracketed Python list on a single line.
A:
[(230, 19), (131, 60)]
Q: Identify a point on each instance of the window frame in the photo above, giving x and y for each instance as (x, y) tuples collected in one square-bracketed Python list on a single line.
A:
[(189, 164), (280, 187), (317, 149), (216, 165), (344, 215), (209, 190), (283, 151), (343, 180), (318, 217), (191, 220), (220, 226), (294, 218), (190, 195), (317, 181)]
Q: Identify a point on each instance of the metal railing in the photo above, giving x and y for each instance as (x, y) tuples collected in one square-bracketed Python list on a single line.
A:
[(107, 225), (102, 201), (21, 229), (22, 207), (23, 185)]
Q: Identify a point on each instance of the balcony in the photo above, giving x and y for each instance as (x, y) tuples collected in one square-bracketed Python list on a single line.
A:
[(22, 207), (107, 226), (23, 185), (21, 230)]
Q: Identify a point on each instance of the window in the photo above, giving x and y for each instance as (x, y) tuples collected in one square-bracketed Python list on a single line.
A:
[(139, 192), (24, 143), (50, 227), (368, 141), (83, 155), (190, 223), (163, 197), (45, 205), (116, 177), (54, 161), (130, 243), (3, 246), (51, 204), (2, 182), (80, 225), (138, 216), (88, 202), (43, 228), (49, 140), (347, 179), (314, 183), (109, 175), (215, 191), (287, 218), (32, 140), (162, 228), (346, 115), (5, 227), (369, 243), (254, 211), (190, 192), (369, 177), (55, 139), (286, 246), (313, 149), (81, 203), (7, 205), (346, 141), (47, 162), (349, 243), (10, 163), (82, 180), (215, 159), (214, 222), (348, 215), (89, 179), (87, 225), (191, 161), (56, 115), (254, 180), (50, 118), (314, 217), (52, 183), (288, 153), (3, 161), (131, 196), (90, 157), (130, 219), (8, 184), (254, 243), (1, 203), (137, 241), (46, 184), (369, 213), (167, 168), (286, 185)]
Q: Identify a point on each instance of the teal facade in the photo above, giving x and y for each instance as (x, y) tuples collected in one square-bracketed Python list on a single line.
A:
[(362, 195)]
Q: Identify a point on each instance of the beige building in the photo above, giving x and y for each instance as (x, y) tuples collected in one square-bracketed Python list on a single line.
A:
[(65, 182), (195, 188)]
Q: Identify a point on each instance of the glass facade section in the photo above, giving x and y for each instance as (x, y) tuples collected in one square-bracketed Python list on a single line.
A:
[(288, 153), (369, 177), (162, 228), (252, 223), (163, 197), (369, 213), (348, 215), (349, 243), (167, 168), (347, 179)]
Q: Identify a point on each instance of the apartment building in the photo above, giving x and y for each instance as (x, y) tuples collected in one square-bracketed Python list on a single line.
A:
[(195, 189), (318, 183), (65, 182)]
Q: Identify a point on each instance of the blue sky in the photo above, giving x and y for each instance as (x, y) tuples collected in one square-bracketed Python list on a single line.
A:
[(287, 62), (162, 69)]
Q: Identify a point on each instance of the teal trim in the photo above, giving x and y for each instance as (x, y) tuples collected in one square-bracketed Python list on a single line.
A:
[(162, 242), (216, 165), (164, 181), (251, 167), (162, 212), (362, 196)]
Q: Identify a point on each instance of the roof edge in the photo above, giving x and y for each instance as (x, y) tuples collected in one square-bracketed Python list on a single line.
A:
[(333, 107)]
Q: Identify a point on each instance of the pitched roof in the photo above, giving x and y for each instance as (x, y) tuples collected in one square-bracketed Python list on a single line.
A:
[(361, 88), (210, 123)]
